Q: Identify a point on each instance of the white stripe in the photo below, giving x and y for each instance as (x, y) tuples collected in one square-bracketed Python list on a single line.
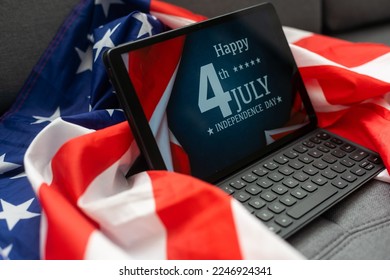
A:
[(318, 98), (125, 210), (159, 123), (38, 156), (172, 21), (293, 35), (378, 68), (256, 241)]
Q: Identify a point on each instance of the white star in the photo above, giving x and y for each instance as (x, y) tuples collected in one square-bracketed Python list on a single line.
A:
[(4, 253), (51, 118), (14, 213), (21, 175), (106, 4), (210, 131), (146, 27), (105, 42), (86, 60), (6, 166)]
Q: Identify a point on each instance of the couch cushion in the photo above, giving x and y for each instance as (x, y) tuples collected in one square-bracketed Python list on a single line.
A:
[(349, 14), (26, 29)]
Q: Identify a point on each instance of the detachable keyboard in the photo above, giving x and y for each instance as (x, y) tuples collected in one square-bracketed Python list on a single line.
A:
[(292, 187)]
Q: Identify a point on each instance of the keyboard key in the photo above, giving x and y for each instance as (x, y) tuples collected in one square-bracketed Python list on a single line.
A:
[(264, 183), (358, 171), (329, 159), (358, 155), (316, 140), (242, 196), (299, 193), (347, 162), (229, 190), (300, 176), (310, 187), (329, 174), (337, 141), (300, 149), (310, 170), (341, 184), (288, 200), (257, 203), (249, 178), (367, 165), (291, 183), (306, 159), (296, 164), (283, 221), (276, 207), (323, 149), (291, 154), (253, 190), (315, 153), (330, 145), (268, 196), (279, 189), (287, 171), (338, 153), (349, 177), (323, 135), (260, 171), (375, 159), (238, 184), (264, 215), (274, 228), (281, 159), (308, 144), (320, 164), (319, 180), (275, 176), (347, 148), (318, 197), (338, 168), (270, 165)]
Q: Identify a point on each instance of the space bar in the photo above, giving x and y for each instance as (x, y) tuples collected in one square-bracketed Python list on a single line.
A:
[(311, 202)]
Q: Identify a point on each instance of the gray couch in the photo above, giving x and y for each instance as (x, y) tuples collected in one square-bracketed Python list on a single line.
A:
[(358, 228)]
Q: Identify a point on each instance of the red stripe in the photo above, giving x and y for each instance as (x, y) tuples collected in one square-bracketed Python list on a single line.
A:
[(68, 230), (181, 162), (197, 216), (151, 69), (166, 8), (76, 164), (344, 87), (343, 52)]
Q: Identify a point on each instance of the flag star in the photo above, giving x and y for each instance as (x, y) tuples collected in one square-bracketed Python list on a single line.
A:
[(12, 214), (4, 252), (6, 166), (146, 27), (106, 4), (110, 112), (105, 42), (210, 131), (40, 119), (21, 175), (86, 60)]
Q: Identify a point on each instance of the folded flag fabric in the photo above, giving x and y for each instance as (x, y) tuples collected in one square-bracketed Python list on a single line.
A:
[(67, 132)]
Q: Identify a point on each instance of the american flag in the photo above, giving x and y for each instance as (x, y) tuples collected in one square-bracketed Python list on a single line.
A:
[(67, 131)]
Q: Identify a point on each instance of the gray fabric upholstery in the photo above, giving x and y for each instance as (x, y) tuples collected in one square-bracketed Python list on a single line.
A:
[(348, 14), (26, 29), (356, 228)]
